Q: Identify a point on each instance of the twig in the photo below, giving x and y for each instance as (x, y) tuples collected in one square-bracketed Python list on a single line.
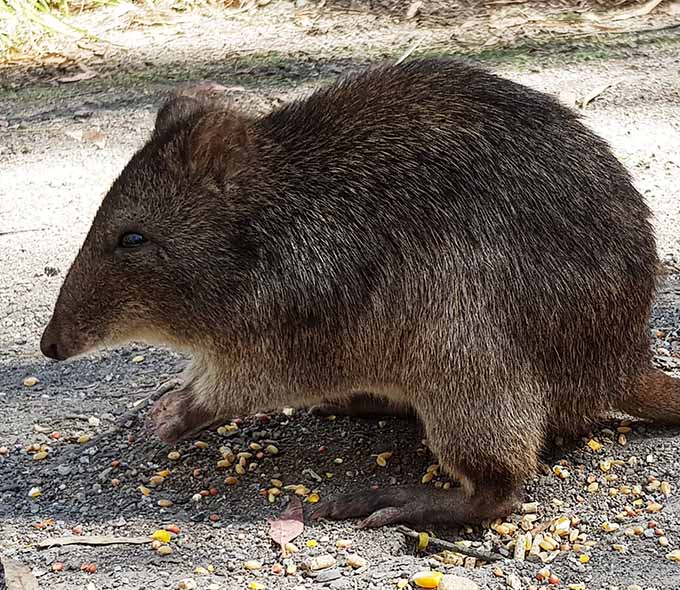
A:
[(476, 553), (21, 231), (92, 540), (643, 10), (408, 52), (123, 420), (622, 32)]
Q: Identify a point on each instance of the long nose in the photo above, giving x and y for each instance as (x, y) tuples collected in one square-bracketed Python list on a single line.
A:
[(50, 344)]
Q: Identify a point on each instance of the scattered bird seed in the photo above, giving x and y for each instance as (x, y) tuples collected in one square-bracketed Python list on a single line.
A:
[(320, 562), (162, 535), (427, 579)]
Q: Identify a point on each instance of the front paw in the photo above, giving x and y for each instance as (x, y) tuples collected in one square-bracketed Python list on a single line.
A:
[(177, 416)]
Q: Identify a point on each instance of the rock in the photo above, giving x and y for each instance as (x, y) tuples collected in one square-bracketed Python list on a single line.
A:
[(356, 561), (450, 582), (328, 576)]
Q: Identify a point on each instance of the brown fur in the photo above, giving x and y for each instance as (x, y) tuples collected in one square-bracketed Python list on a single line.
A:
[(429, 233)]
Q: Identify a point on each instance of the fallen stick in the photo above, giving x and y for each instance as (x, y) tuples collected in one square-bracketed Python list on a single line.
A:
[(441, 543), (92, 540)]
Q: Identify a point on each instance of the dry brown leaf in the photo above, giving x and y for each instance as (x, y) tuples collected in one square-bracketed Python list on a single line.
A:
[(90, 135), (79, 77), (414, 9), (593, 94), (641, 11), (289, 525), (92, 540), (96, 137), (17, 576)]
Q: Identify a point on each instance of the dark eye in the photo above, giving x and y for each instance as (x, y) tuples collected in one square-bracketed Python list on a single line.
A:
[(131, 240)]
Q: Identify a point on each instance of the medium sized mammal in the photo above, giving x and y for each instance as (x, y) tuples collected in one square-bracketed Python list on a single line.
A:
[(429, 233)]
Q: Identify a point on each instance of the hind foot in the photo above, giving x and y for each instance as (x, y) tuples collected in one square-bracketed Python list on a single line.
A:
[(177, 416), (415, 506)]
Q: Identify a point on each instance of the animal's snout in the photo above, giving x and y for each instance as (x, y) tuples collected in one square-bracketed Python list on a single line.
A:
[(50, 343)]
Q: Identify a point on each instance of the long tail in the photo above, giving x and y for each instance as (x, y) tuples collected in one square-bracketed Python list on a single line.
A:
[(656, 398)]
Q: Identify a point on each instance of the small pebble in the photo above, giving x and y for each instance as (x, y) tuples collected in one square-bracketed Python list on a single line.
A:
[(343, 543), (138, 359), (174, 456), (450, 582), (187, 584), (252, 565), (30, 381), (165, 503), (328, 575), (164, 550), (356, 561)]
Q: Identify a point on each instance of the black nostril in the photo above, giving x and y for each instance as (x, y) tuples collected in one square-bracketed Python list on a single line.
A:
[(50, 349)]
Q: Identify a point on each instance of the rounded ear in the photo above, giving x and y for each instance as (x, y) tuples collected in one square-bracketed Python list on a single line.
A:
[(187, 102), (220, 143)]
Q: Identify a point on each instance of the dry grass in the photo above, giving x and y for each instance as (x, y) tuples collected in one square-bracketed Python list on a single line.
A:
[(25, 24)]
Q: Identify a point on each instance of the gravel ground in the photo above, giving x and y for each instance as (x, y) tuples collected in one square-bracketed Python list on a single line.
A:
[(61, 149)]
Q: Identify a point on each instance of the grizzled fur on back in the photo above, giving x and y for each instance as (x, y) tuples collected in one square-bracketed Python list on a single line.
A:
[(428, 232)]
